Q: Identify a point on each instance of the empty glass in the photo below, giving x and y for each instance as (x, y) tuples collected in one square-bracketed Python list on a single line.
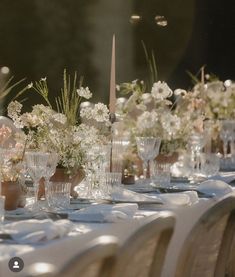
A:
[(112, 181), (119, 147), (210, 164), (161, 174), (50, 167), (148, 148), (58, 195), (196, 143), (36, 163), (227, 135)]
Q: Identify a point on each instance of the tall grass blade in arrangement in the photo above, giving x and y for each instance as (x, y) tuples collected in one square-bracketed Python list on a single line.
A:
[(69, 100)]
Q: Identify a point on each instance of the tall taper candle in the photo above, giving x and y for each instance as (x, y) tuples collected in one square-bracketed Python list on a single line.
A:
[(112, 93)]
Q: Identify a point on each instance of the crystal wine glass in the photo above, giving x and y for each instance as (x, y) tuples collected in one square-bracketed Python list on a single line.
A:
[(226, 135), (196, 143), (147, 148), (50, 168), (36, 163)]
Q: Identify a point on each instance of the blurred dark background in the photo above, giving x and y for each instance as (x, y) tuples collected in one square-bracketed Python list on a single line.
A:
[(40, 38)]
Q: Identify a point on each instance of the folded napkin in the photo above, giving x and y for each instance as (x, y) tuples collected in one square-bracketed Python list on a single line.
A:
[(125, 195), (105, 213), (215, 187), (176, 199), (33, 231), (226, 177), (186, 198)]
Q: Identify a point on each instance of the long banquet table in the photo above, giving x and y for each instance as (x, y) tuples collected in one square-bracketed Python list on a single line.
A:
[(59, 251)]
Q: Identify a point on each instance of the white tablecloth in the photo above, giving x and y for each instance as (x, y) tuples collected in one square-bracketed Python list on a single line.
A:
[(59, 251)]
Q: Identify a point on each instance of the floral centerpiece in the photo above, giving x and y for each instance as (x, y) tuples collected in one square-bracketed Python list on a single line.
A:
[(57, 128), (153, 114), (207, 104)]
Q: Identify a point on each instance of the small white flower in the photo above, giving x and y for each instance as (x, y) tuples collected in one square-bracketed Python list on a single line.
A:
[(180, 91), (59, 117), (14, 108), (147, 120), (13, 111), (43, 79), (160, 90), (171, 123), (134, 82), (84, 92), (100, 112), (86, 113), (141, 107), (30, 85)]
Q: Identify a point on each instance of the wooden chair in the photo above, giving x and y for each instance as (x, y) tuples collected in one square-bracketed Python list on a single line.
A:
[(96, 260), (143, 253), (207, 246)]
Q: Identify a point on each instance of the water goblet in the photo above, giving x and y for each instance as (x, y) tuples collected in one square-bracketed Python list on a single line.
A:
[(210, 164), (36, 163), (161, 176), (226, 135), (50, 168), (58, 195), (147, 148), (103, 184), (196, 143)]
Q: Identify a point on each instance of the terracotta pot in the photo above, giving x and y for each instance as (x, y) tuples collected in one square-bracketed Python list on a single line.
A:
[(168, 158), (12, 191), (161, 158), (61, 176)]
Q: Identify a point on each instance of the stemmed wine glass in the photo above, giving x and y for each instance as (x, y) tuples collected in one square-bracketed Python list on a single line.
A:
[(196, 143), (226, 135), (36, 163), (50, 169), (148, 148)]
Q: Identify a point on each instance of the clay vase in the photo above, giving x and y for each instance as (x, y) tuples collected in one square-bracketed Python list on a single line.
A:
[(168, 158), (61, 176), (12, 192)]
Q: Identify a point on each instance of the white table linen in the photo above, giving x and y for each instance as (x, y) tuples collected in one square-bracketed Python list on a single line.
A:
[(60, 250), (105, 213), (35, 231)]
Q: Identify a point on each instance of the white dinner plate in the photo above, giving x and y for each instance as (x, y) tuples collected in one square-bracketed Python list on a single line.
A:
[(19, 214), (150, 201)]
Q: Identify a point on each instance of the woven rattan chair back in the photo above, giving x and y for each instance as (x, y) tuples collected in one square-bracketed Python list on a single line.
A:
[(143, 253), (95, 260), (201, 250)]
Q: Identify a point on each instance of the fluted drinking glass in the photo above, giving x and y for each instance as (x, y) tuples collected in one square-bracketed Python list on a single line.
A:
[(36, 163), (148, 148)]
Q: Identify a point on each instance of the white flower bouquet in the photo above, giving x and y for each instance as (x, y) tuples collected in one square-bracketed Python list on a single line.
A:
[(152, 114), (59, 129)]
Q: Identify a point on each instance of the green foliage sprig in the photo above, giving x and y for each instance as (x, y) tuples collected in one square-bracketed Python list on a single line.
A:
[(68, 101)]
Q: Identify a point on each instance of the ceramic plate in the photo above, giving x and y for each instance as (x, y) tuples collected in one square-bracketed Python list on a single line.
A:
[(19, 214)]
